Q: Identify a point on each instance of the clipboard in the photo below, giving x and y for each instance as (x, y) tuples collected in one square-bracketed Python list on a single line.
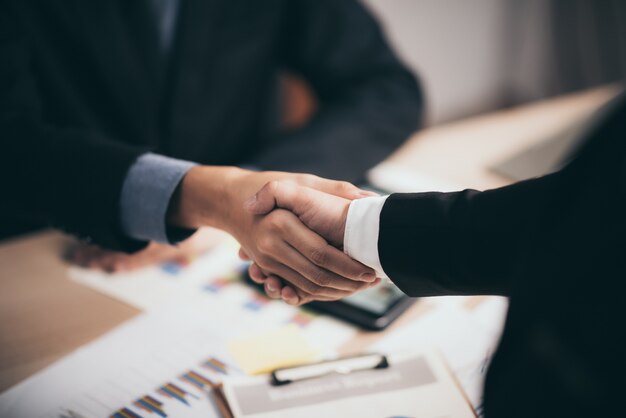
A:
[(344, 365), (367, 386)]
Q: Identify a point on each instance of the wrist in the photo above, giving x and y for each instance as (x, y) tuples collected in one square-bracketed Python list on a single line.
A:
[(205, 197), (341, 226)]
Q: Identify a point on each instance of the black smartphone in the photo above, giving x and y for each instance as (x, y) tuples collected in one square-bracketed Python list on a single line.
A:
[(372, 309)]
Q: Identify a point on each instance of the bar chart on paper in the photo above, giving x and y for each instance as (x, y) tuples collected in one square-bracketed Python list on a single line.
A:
[(165, 362), (216, 277), (153, 286), (162, 364)]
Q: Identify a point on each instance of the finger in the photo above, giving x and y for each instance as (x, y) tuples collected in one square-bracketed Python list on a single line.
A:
[(323, 213), (298, 281), (273, 287), (299, 297), (275, 283), (295, 296), (290, 296), (243, 254), (319, 252), (289, 256), (256, 274), (367, 193), (321, 276), (375, 282)]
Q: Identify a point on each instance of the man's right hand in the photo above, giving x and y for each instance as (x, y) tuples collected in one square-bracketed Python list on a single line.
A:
[(278, 242), (324, 213)]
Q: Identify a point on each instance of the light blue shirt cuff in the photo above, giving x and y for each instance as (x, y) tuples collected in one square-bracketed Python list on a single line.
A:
[(146, 193)]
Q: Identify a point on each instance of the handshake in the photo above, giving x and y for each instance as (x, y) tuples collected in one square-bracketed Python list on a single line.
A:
[(291, 226)]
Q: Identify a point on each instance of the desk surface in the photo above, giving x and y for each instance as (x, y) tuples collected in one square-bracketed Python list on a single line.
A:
[(44, 316)]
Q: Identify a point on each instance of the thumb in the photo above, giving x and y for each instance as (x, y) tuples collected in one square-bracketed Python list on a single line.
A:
[(265, 200), (260, 204), (277, 194), (337, 188)]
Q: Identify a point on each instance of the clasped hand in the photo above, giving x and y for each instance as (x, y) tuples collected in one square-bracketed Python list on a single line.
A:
[(291, 228), (305, 226)]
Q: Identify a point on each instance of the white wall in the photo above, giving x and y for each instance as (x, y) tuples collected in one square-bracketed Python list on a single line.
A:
[(458, 48)]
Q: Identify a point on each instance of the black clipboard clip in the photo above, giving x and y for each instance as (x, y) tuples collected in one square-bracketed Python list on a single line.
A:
[(343, 365)]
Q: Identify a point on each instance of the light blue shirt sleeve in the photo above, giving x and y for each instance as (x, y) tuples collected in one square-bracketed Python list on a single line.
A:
[(146, 193)]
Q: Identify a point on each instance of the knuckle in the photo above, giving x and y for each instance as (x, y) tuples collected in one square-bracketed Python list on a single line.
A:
[(351, 286), (262, 245), (271, 293), (309, 180), (322, 278), (320, 256), (344, 185), (306, 178), (275, 221), (361, 286), (278, 221), (310, 287), (273, 185), (266, 245), (355, 285), (343, 295), (316, 276), (304, 297), (263, 261), (256, 279), (256, 276)]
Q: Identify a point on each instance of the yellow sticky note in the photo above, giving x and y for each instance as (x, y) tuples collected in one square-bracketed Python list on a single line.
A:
[(262, 353)]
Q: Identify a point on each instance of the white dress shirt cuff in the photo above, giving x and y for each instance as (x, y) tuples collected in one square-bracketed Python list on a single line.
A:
[(361, 235)]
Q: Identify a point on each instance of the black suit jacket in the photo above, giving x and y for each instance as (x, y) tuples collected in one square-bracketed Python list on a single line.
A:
[(557, 246), (84, 90)]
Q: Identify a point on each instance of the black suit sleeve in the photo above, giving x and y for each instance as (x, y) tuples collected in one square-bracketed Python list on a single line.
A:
[(369, 102), (459, 243), (473, 242), (67, 178)]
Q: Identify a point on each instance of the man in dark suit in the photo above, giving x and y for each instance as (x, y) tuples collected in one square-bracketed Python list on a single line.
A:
[(94, 96), (555, 245)]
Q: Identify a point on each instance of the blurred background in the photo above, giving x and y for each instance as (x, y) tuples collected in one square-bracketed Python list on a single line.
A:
[(477, 56), (471, 57)]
